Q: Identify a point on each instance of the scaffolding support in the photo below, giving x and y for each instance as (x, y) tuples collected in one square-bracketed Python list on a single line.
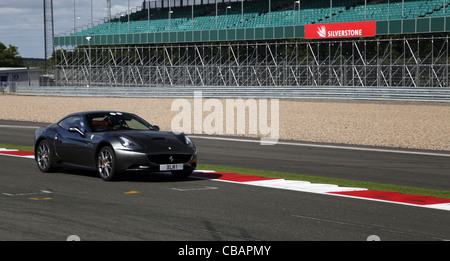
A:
[(407, 62)]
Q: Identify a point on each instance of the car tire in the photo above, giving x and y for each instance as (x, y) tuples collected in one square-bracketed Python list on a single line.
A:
[(44, 157), (106, 164), (182, 174)]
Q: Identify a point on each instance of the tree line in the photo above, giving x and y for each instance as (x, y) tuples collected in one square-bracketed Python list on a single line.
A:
[(9, 56)]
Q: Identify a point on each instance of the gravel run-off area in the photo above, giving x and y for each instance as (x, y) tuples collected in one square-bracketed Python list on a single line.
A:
[(414, 125)]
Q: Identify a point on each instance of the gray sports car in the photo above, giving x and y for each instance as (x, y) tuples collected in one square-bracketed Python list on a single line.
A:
[(113, 143)]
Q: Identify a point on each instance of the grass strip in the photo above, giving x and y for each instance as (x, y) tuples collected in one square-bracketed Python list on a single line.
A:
[(340, 182), (16, 147)]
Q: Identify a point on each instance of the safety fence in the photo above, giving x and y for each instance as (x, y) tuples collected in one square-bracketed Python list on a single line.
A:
[(368, 93)]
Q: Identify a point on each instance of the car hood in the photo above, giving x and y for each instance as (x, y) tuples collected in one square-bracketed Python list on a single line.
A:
[(158, 142)]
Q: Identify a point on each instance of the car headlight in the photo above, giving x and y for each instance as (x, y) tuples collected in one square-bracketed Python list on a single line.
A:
[(188, 141), (129, 144)]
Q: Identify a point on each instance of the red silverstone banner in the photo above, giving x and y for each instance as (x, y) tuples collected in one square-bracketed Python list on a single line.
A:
[(340, 30)]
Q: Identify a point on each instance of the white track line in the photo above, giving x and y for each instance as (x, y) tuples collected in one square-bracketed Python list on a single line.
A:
[(19, 127), (325, 146)]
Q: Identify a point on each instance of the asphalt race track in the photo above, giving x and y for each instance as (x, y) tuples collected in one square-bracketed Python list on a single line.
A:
[(37, 206)]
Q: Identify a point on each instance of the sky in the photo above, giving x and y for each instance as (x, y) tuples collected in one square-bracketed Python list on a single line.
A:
[(22, 21)]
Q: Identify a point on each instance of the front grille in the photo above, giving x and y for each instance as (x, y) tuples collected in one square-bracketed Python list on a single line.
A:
[(170, 158)]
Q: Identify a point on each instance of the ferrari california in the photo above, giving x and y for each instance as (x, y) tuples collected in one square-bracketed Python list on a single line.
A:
[(113, 143)]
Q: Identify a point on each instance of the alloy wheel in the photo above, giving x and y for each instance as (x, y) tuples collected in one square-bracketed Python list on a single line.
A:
[(43, 156), (106, 168)]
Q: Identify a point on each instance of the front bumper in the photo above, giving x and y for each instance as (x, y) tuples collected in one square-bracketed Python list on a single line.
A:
[(127, 160)]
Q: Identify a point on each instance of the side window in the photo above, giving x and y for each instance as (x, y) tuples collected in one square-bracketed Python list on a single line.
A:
[(64, 124), (135, 125), (73, 121)]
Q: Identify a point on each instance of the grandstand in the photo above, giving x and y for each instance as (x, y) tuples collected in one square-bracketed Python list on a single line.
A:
[(256, 14), (261, 43)]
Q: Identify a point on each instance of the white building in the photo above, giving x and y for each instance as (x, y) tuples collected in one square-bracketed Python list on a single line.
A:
[(11, 78)]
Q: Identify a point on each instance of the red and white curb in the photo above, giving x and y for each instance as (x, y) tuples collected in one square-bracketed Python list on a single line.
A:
[(302, 186), (17, 153), (328, 189)]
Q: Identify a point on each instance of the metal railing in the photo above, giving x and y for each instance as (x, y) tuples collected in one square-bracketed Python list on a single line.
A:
[(293, 92)]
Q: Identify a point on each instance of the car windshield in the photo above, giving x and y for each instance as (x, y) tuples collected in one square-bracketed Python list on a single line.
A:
[(114, 121)]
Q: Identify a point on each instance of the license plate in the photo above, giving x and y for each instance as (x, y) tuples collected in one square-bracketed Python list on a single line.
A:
[(168, 167)]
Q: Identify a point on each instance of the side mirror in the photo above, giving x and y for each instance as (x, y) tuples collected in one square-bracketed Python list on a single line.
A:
[(77, 130), (155, 127)]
